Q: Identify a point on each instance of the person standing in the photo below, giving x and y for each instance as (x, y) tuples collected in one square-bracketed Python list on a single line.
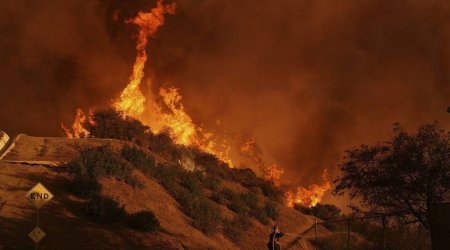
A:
[(274, 237)]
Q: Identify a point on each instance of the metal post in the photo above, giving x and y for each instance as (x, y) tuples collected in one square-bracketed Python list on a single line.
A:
[(315, 229), (384, 231), (348, 234)]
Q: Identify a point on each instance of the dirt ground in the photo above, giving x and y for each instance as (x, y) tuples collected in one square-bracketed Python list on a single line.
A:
[(66, 227)]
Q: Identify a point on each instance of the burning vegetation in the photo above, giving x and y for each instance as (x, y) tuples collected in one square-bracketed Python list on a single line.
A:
[(170, 121)]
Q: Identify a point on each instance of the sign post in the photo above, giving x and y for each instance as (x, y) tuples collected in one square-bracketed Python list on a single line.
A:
[(38, 196)]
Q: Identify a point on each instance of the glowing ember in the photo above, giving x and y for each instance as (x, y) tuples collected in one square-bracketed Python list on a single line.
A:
[(310, 196), (78, 130)]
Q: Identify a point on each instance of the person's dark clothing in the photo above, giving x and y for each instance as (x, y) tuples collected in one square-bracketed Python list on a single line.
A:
[(273, 243)]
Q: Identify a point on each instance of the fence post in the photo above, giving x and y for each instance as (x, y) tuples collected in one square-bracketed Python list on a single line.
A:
[(348, 234), (315, 229), (384, 232)]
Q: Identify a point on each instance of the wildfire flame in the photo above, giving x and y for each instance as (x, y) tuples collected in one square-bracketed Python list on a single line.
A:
[(310, 196), (132, 102), (78, 126)]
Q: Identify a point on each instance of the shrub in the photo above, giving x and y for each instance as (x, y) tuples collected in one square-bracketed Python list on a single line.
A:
[(109, 123), (192, 181), (261, 215), (100, 162), (144, 221), (163, 144), (272, 209), (104, 210), (272, 192), (85, 186), (211, 164), (211, 182), (233, 229), (228, 193), (167, 174), (250, 199), (139, 159), (219, 198), (238, 205), (206, 215)]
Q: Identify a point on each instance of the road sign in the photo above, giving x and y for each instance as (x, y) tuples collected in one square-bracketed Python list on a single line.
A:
[(37, 234), (39, 195)]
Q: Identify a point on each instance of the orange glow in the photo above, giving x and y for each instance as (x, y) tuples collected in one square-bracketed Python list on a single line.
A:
[(310, 196), (78, 130)]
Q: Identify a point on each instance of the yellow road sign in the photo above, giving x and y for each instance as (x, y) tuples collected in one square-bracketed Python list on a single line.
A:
[(39, 195), (37, 234)]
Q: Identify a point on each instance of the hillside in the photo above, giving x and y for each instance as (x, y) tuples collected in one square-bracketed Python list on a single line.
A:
[(43, 159)]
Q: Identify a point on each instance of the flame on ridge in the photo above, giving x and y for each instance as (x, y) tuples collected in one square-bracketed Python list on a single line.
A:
[(132, 102)]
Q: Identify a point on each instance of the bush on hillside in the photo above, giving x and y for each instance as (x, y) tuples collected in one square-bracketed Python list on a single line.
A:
[(272, 192), (272, 209), (211, 164), (139, 159), (238, 205), (163, 144), (104, 210), (85, 186), (143, 221), (260, 214), (109, 123), (251, 199), (219, 198), (234, 229), (211, 182)]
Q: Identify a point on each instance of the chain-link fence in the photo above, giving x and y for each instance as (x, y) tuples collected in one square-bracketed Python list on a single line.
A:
[(369, 233)]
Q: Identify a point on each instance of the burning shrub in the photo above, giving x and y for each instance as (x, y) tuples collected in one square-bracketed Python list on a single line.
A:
[(104, 210), (233, 229), (144, 221), (109, 123), (272, 209)]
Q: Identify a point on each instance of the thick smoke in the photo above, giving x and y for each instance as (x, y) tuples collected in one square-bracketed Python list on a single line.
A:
[(306, 78)]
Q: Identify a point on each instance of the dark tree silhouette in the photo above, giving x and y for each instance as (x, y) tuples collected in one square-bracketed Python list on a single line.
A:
[(404, 176)]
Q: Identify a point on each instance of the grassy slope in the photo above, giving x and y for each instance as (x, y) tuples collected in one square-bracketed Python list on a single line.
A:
[(63, 223)]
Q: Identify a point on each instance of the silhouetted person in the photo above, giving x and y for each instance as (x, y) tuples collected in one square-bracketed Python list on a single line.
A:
[(273, 243)]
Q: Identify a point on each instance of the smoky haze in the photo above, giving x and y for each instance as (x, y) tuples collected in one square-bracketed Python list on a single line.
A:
[(307, 79)]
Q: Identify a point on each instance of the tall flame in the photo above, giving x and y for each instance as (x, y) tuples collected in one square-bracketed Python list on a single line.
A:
[(310, 196), (131, 101), (79, 131)]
